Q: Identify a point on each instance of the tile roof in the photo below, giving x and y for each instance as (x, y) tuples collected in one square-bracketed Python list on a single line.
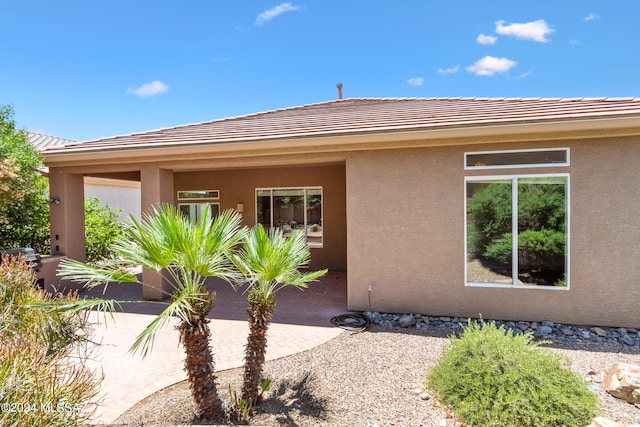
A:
[(42, 142), (355, 116)]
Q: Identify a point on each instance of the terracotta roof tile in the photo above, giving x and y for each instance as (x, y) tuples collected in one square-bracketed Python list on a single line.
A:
[(364, 115)]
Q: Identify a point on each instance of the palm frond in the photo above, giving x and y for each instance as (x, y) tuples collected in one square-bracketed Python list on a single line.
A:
[(74, 305), (91, 275), (181, 307), (269, 260)]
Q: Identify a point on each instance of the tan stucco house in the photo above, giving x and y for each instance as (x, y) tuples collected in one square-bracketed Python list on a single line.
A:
[(522, 209)]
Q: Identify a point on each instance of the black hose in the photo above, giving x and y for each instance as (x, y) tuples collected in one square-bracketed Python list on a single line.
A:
[(354, 322)]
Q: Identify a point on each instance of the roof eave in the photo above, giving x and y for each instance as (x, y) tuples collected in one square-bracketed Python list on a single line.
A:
[(381, 138)]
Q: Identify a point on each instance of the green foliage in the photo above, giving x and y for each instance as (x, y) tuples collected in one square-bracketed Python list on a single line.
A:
[(538, 247), (38, 333), (490, 377), (102, 228), (24, 210), (27, 223), (241, 409), (541, 221), (19, 160), (269, 261), (491, 211), (184, 253)]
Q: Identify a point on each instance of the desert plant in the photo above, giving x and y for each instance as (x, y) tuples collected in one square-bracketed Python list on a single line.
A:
[(269, 261), (40, 385), (185, 253), (491, 377)]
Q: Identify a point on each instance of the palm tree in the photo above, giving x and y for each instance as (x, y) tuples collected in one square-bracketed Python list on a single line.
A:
[(269, 261), (185, 254)]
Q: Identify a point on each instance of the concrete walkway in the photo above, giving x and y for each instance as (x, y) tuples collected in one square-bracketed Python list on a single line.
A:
[(301, 322)]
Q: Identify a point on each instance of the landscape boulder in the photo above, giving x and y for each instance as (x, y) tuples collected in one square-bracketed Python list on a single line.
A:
[(622, 380)]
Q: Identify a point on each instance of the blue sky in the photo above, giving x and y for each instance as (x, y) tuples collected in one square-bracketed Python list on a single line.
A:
[(84, 70)]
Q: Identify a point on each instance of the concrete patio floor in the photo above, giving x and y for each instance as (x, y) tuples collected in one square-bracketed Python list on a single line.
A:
[(301, 322)]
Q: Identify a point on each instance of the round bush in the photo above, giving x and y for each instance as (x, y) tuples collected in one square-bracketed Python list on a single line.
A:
[(491, 377)]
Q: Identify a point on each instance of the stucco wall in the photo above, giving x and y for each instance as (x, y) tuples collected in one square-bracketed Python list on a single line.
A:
[(239, 185), (405, 222), (117, 194)]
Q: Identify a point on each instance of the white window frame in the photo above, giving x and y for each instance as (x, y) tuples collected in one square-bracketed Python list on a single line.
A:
[(515, 165), (514, 260), (213, 214), (306, 225), (215, 197)]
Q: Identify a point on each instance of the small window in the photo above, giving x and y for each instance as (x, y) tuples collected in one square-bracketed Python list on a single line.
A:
[(292, 209), (194, 211), (517, 159), (198, 194)]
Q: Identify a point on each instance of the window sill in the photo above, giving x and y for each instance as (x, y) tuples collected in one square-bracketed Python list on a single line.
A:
[(510, 286)]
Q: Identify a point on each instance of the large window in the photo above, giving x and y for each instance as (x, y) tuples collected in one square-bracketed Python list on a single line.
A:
[(292, 209), (517, 230)]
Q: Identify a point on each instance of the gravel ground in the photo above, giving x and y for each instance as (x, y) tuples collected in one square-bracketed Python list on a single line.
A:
[(374, 378)]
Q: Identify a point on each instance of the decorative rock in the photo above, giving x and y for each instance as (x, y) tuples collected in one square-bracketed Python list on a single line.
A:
[(567, 331), (599, 332), (610, 338), (425, 396), (406, 320), (543, 330), (605, 422), (623, 381), (626, 339)]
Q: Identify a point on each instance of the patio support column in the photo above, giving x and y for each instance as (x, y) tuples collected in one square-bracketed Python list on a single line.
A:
[(156, 186), (67, 214)]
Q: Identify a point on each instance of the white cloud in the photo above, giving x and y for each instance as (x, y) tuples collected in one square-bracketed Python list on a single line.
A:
[(574, 42), (534, 30), (591, 17), (415, 81), (450, 70), (269, 14), (149, 89), (221, 59), (489, 65), (485, 39)]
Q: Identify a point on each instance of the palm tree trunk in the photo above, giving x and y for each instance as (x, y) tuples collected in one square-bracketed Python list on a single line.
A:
[(200, 368), (255, 351)]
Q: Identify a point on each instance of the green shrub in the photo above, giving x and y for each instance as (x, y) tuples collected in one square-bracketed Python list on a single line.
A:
[(490, 377), (102, 228), (541, 217), (39, 382), (536, 249)]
